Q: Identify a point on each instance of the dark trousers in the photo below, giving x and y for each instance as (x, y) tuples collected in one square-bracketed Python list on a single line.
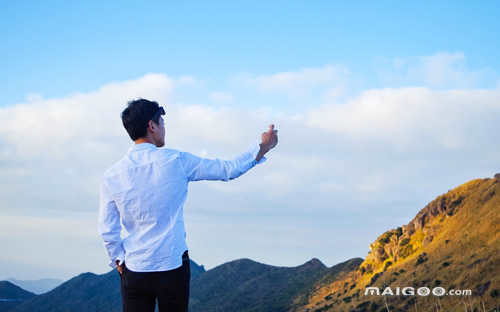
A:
[(141, 289)]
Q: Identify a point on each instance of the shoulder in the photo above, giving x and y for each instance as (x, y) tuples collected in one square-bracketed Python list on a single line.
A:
[(165, 156), (113, 169), (166, 153)]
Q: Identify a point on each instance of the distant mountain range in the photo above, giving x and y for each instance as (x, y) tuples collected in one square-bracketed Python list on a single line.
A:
[(85, 292), (453, 242), (12, 295), (37, 286)]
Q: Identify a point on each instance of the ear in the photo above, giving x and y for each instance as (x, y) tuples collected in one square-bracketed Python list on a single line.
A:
[(151, 126)]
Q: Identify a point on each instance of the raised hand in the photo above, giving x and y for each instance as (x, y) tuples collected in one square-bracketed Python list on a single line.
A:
[(269, 141)]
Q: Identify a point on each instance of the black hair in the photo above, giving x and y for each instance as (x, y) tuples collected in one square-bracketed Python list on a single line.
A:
[(136, 116)]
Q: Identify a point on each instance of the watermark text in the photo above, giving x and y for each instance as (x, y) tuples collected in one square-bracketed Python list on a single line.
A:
[(412, 291)]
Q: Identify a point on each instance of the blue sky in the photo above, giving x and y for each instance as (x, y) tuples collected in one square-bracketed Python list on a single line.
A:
[(381, 107), (58, 47)]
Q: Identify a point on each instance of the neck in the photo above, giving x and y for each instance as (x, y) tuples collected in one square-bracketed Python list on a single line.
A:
[(144, 140)]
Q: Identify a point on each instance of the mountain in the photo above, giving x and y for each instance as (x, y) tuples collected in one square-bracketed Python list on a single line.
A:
[(453, 242), (37, 286), (335, 273), (85, 292), (245, 285), (240, 285), (12, 295)]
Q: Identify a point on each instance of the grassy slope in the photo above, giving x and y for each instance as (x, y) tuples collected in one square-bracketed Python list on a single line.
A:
[(458, 248)]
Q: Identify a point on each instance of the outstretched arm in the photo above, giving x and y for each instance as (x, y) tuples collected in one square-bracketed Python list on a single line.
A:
[(197, 168)]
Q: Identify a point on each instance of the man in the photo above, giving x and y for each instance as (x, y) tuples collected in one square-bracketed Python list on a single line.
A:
[(145, 191)]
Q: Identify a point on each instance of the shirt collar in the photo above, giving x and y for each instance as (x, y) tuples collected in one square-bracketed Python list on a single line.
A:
[(141, 146)]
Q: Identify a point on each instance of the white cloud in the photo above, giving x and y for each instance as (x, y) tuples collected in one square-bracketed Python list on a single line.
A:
[(186, 81), (34, 97), (303, 79), (221, 97), (442, 70), (80, 122), (410, 116), (192, 125)]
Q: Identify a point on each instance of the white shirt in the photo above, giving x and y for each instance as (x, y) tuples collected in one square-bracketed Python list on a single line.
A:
[(147, 189)]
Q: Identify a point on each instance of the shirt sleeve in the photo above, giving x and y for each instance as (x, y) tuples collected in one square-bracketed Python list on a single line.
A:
[(109, 227), (197, 168)]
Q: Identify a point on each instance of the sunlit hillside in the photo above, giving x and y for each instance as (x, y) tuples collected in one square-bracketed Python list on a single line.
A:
[(453, 242)]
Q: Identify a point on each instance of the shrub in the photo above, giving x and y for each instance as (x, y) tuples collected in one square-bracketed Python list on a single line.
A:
[(494, 293), (406, 251), (421, 259), (375, 277), (387, 264), (399, 232), (374, 306), (445, 264), (346, 299), (404, 241), (386, 237), (456, 202), (363, 305), (324, 309)]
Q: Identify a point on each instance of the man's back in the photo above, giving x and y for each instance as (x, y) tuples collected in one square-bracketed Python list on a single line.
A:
[(148, 187)]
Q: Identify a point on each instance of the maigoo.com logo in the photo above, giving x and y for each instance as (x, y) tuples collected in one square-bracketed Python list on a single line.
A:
[(411, 291)]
